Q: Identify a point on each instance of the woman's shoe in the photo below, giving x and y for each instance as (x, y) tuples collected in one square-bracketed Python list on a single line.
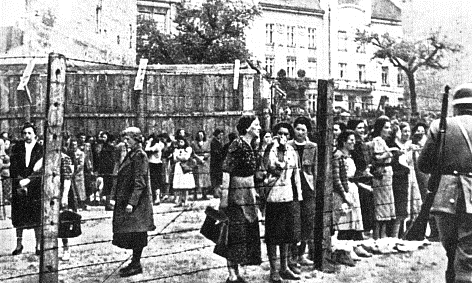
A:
[(361, 252), (274, 277), (17, 251), (133, 270), (354, 256), (289, 275), (304, 261), (66, 256)]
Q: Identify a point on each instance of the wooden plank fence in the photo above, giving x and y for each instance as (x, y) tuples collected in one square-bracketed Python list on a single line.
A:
[(101, 97)]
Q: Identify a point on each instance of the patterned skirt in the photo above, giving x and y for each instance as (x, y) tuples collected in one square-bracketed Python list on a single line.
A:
[(383, 195), (244, 244)]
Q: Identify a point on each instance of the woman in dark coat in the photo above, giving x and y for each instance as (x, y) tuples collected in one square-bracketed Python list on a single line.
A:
[(133, 215), (216, 161), (238, 200), (26, 200)]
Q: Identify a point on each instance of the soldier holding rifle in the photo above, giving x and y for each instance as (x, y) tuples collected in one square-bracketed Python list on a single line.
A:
[(452, 205)]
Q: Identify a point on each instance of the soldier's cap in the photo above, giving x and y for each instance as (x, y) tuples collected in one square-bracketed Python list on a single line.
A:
[(462, 94)]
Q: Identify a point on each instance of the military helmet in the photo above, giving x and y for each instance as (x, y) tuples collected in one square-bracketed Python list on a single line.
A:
[(462, 94)]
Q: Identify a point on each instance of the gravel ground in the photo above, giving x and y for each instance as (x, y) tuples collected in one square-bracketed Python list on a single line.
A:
[(178, 253)]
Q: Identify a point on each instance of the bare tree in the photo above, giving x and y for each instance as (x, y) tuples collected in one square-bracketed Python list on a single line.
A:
[(410, 56)]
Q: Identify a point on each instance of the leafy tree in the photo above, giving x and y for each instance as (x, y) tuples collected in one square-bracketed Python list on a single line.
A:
[(410, 56), (154, 45), (211, 33)]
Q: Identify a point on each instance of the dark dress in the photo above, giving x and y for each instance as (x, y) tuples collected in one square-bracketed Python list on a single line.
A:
[(106, 164), (307, 158), (400, 185), (244, 245), (25, 208), (360, 155), (216, 162)]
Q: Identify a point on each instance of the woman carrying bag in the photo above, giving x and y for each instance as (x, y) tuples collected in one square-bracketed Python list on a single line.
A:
[(238, 201)]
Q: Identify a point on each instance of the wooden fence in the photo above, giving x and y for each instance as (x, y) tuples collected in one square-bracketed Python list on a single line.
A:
[(101, 97)]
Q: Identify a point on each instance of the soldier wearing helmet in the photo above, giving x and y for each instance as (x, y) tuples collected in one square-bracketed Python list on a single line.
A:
[(452, 207)]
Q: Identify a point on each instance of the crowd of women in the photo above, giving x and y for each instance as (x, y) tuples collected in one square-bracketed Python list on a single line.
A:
[(377, 191), (260, 176)]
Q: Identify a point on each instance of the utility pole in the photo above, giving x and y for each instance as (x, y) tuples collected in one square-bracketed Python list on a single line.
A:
[(55, 94)]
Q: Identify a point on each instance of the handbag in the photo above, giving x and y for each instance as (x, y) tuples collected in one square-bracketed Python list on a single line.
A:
[(215, 226), (188, 165), (69, 224)]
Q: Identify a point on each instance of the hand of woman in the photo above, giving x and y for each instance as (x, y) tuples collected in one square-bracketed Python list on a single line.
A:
[(129, 208), (64, 202), (223, 199)]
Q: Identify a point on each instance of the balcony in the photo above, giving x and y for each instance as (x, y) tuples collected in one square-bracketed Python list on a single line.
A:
[(363, 86)]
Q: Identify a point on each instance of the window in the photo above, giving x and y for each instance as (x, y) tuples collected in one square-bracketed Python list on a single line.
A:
[(342, 41), (98, 18), (361, 72), (269, 34), (312, 68), (269, 65), (291, 67), (360, 47), (312, 38), (130, 36), (400, 77), (366, 102), (351, 102), (338, 97), (342, 70), (290, 36), (156, 14), (385, 76)]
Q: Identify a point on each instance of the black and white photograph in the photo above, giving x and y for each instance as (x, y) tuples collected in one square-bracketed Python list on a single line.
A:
[(237, 141)]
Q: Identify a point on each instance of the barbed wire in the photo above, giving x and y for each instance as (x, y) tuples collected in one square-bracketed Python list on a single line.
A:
[(73, 107)]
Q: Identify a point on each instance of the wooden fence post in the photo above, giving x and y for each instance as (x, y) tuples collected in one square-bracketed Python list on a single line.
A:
[(48, 263), (324, 184)]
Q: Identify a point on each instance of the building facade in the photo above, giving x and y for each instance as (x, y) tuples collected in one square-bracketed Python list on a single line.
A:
[(97, 30), (318, 37), (363, 83)]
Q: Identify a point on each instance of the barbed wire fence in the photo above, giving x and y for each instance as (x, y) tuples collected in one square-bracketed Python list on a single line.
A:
[(100, 96)]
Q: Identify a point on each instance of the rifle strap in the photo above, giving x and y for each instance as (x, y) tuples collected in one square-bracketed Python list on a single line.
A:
[(465, 134)]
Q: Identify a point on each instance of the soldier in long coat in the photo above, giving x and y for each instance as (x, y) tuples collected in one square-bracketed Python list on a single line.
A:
[(26, 200), (133, 215), (452, 206)]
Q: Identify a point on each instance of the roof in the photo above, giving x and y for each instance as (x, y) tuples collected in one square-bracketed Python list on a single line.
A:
[(299, 5), (386, 10)]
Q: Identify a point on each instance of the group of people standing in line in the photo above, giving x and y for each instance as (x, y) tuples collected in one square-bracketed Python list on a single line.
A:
[(376, 191), (375, 186)]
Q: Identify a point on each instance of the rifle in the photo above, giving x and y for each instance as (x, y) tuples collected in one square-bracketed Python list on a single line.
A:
[(417, 229)]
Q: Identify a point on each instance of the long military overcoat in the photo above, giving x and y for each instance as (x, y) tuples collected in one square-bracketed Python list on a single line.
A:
[(133, 188)]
